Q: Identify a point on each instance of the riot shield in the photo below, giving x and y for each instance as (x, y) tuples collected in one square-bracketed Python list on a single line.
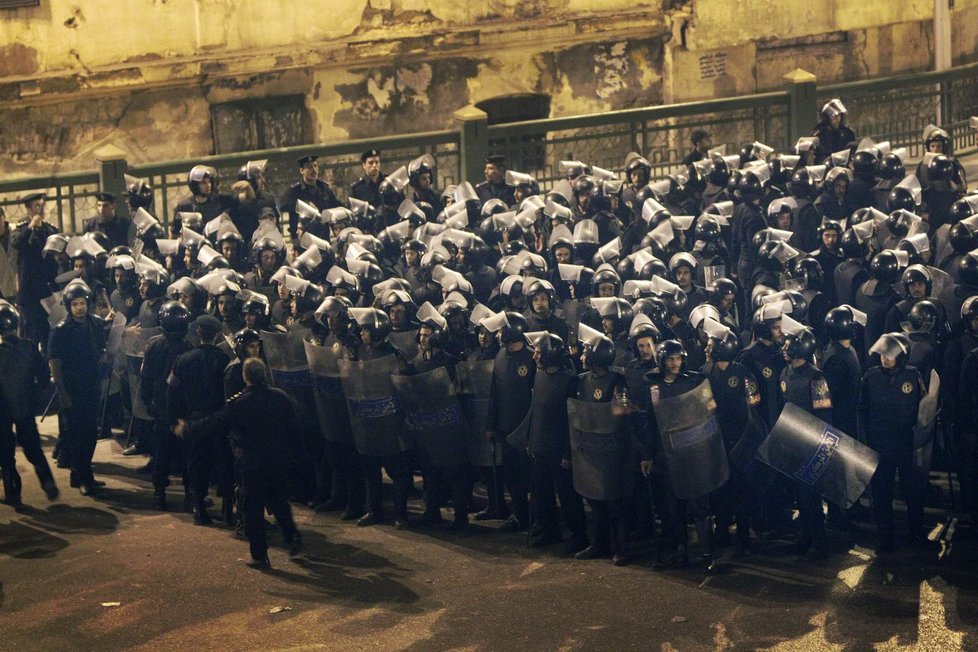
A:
[(434, 414), (324, 371), (601, 451), (830, 462), (520, 437), (474, 380), (375, 417), (286, 357), (572, 310), (134, 343), (406, 342), (712, 273), (695, 456), (923, 432)]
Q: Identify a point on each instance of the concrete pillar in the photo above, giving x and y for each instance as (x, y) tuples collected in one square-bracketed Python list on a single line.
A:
[(802, 103), (942, 55), (473, 143), (112, 168)]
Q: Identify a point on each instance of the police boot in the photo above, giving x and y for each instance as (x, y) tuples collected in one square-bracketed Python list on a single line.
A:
[(673, 557), (704, 533), (11, 489), (201, 517), (159, 499), (619, 544)]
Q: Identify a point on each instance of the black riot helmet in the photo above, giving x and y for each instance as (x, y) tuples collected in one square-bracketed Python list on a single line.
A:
[(242, 339), (801, 344), (373, 321), (901, 199), (720, 174), (642, 331), (961, 209), (840, 324), (553, 351), (655, 308), (810, 270), (851, 246), (197, 174), (9, 317), (515, 327), (968, 269), (252, 171), (923, 317), (917, 274), (891, 167), (726, 349), (885, 266), (668, 349), (174, 318), (864, 164), (962, 238), (77, 289), (600, 353), (941, 168), (802, 185)]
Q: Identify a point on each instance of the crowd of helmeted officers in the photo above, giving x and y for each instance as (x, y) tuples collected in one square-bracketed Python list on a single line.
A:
[(622, 343)]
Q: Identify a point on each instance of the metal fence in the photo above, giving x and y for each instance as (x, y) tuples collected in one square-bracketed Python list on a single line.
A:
[(893, 108), (661, 134)]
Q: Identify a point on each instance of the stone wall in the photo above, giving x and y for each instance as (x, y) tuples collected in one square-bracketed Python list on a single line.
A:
[(144, 75)]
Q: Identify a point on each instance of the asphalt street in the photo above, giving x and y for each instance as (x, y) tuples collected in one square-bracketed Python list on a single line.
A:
[(109, 573)]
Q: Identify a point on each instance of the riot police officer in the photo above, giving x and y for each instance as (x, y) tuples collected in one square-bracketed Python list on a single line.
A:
[(310, 189), (161, 352), (888, 402), (367, 187)]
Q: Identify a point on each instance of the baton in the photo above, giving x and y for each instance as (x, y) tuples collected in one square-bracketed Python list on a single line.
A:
[(48, 407)]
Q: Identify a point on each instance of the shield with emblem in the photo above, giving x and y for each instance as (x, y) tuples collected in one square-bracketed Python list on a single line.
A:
[(691, 441), (601, 451), (133, 347), (474, 381), (433, 413), (375, 416), (810, 451), (324, 372)]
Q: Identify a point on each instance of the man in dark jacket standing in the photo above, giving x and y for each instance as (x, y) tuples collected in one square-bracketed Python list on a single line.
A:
[(259, 422)]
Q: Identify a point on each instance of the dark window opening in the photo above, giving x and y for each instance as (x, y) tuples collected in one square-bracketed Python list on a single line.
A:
[(262, 123), (528, 153)]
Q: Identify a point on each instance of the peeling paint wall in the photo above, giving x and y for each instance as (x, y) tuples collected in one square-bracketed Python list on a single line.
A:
[(144, 74)]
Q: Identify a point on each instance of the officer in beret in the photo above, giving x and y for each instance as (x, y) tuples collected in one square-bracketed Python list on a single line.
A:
[(310, 189), (367, 187), (35, 272)]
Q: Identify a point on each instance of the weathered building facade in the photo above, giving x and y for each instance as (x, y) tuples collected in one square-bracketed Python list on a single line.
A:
[(173, 79)]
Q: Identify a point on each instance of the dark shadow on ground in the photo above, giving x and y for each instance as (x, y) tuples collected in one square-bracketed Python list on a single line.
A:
[(21, 541)]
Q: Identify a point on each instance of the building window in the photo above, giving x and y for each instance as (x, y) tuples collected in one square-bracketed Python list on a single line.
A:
[(261, 123), (528, 153)]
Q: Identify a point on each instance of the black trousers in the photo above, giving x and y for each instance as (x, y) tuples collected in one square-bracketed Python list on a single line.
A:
[(169, 453), (208, 451), (608, 518), (734, 501), (552, 482), (79, 435), (347, 481), (515, 473), (675, 511), (263, 487), (34, 324), (441, 481), (397, 468), (891, 467), (30, 441)]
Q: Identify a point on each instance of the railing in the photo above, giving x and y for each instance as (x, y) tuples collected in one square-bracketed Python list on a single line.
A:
[(893, 108)]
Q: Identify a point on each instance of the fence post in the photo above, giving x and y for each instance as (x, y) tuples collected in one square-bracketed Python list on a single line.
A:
[(112, 168), (473, 143), (802, 103)]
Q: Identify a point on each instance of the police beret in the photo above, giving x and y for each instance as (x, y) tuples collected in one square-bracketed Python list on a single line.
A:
[(104, 196), (33, 197), (208, 324), (496, 159), (369, 153), (302, 160)]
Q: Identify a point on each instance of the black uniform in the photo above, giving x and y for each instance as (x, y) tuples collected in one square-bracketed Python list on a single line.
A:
[(807, 388), (79, 346), (747, 221), (875, 298), (208, 209), (25, 377), (367, 190), (120, 230), (35, 275), (888, 403), (158, 360), (259, 422), (847, 278), (487, 191), (765, 362), (806, 222), (549, 445), (319, 195), (195, 394), (509, 401)]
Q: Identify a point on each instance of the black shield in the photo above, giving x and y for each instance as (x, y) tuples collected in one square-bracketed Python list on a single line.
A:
[(806, 449), (375, 416), (286, 356), (133, 347), (406, 342), (324, 371), (474, 380), (433, 413), (691, 442), (600, 451)]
